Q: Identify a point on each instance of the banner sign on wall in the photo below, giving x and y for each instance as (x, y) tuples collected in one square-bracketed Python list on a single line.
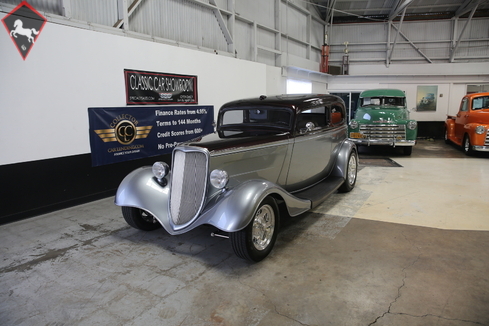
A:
[(143, 87), (129, 133)]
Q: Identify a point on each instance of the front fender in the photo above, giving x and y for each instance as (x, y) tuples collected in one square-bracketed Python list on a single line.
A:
[(233, 209), (140, 189), (230, 211)]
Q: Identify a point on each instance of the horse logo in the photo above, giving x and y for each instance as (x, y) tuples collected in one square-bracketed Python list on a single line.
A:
[(19, 29), (24, 15)]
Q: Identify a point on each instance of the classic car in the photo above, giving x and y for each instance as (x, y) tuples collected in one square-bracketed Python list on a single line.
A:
[(269, 155), (468, 128), (382, 118)]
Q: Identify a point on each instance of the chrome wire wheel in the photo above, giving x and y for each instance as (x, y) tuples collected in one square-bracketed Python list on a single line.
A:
[(352, 170), (263, 227), (351, 173)]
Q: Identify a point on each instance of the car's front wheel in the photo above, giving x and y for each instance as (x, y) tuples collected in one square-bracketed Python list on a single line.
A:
[(351, 173), (140, 219), (467, 146), (256, 241), (407, 150)]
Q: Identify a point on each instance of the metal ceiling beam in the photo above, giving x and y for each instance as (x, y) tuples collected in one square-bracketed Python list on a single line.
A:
[(454, 49), (398, 8), (330, 10), (123, 15), (413, 45), (222, 23), (395, 38), (467, 6)]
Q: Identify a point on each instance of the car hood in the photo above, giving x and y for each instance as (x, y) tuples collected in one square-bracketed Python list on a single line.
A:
[(381, 115), (215, 143)]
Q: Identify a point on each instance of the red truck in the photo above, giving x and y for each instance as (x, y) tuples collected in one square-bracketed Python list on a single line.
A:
[(469, 128)]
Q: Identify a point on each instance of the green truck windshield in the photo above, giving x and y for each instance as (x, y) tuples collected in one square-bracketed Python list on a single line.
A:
[(382, 101)]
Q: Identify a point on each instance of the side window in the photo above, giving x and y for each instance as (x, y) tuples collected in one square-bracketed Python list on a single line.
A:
[(316, 116), (337, 115), (463, 105), (232, 117)]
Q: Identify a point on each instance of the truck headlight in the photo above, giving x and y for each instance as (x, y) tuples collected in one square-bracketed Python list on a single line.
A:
[(219, 178), (160, 170), (353, 124), (480, 130), (412, 125)]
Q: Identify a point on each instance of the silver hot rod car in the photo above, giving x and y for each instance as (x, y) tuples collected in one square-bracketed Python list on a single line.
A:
[(268, 155)]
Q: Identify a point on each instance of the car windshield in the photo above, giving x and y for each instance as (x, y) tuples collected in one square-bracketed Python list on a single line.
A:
[(248, 121), (384, 101), (480, 103)]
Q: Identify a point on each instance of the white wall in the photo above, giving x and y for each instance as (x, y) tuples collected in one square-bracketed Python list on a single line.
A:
[(44, 99), (451, 79)]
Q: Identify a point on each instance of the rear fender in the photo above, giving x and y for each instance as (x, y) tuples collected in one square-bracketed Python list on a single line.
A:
[(341, 167), (450, 128)]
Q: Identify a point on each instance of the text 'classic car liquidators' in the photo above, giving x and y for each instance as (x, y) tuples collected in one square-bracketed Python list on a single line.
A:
[(382, 118), (268, 155), (469, 128)]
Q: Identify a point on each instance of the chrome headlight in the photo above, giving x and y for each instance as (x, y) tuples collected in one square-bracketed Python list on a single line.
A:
[(412, 125), (160, 170), (480, 130), (353, 124), (219, 178)]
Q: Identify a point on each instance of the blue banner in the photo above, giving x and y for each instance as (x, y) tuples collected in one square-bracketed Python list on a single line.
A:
[(129, 133)]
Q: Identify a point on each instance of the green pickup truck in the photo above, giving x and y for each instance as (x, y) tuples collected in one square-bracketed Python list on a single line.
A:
[(382, 118)]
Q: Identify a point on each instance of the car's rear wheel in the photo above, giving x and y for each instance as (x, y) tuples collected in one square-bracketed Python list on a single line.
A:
[(467, 146), (256, 241), (447, 141), (351, 173), (140, 219)]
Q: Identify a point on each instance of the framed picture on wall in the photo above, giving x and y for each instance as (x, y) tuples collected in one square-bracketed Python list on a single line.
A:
[(426, 98)]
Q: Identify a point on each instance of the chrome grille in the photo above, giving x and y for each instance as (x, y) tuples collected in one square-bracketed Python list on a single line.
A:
[(383, 131), (188, 184), (486, 142)]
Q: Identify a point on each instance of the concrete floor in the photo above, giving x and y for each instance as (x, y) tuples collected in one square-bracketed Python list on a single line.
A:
[(408, 246)]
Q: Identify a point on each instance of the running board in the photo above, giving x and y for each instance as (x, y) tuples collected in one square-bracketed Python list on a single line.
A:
[(318, 193)]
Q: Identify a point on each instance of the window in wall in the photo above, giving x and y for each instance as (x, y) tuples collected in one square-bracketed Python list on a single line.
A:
[(298, 87), (477, 88)]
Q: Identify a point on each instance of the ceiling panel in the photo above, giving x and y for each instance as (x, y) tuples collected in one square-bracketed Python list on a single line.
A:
[(346, 11)]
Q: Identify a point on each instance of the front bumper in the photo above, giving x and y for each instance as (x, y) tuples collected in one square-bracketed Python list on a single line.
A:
[(480, 148), (384, 142)]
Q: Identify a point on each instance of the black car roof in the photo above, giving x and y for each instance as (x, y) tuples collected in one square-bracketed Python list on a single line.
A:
[(296, 102)]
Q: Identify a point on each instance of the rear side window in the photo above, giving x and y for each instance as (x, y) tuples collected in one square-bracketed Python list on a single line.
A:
[(337, 115), (463, 105), (316, 116)]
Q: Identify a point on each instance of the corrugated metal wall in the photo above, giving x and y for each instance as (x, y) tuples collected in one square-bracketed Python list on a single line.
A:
[(179, 20), (262, 34), (434, 39)]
